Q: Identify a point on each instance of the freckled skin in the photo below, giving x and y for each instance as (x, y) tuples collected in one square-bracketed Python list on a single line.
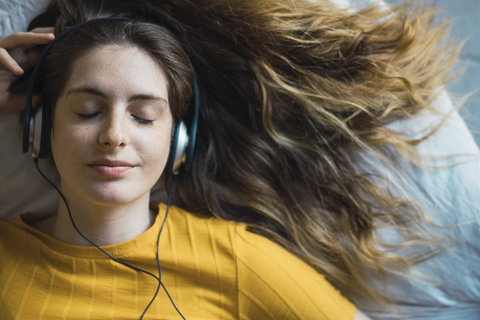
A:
[(120, 73), (107, 121)]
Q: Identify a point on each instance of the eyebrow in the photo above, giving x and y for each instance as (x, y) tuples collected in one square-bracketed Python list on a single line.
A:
[(96, 92)]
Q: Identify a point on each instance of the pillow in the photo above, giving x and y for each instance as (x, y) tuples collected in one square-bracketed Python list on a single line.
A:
[(24, 190)]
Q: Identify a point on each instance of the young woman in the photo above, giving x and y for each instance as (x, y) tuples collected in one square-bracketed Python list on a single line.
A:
[(292, 96), (116, 87)]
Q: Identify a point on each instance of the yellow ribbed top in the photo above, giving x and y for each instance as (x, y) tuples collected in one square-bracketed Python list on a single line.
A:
[(211, 268)]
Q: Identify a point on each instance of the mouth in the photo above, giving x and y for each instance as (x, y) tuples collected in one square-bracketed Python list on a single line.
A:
[(111, 168)]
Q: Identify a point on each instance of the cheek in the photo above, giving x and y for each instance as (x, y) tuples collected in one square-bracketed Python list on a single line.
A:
[(155, 150), (68, 142)]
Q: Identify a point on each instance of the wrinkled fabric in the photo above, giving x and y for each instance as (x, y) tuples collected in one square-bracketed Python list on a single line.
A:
[(450, 196), (446, 286)]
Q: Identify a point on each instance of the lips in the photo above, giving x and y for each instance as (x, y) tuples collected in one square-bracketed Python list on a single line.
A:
[(111, 168)]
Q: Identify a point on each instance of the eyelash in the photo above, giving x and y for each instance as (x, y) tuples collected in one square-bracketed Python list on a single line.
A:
[(87, 116), (143, 121), (93, 115)]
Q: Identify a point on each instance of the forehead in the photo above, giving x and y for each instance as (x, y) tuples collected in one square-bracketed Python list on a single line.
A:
[(118, 69)]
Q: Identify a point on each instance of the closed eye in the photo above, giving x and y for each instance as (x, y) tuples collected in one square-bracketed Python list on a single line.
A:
[(88, 115), (143, 121)]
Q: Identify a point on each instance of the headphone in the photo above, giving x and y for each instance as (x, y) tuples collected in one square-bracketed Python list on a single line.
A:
[(37, 123)]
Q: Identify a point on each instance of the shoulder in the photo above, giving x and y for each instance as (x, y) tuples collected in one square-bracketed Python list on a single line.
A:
[(16, 235), (204, 241), (202, 229), (276, 284), (272, 283), (20, 250), (11, 232)]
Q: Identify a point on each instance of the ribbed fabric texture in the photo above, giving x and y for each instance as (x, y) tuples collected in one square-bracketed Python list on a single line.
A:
[(212, 269)]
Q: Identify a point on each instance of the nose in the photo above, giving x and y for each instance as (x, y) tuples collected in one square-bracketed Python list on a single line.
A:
[(114, 131)]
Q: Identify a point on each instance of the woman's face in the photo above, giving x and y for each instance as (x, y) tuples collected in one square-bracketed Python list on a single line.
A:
[(112, 126)]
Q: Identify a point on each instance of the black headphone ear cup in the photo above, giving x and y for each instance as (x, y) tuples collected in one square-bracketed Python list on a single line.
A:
[(41, 131), (192, 130), (171, 152), (178, 148), (45, 139)]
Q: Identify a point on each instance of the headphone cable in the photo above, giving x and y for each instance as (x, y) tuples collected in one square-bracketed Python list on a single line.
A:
[(159, 278)]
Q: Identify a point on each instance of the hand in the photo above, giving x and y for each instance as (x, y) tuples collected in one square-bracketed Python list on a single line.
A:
[(17, 56)]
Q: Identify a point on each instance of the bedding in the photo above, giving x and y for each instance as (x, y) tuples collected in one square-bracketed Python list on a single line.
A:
[(23, 189), (448, 191)]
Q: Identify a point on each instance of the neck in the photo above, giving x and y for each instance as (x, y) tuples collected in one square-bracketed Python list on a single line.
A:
[(102, 224)]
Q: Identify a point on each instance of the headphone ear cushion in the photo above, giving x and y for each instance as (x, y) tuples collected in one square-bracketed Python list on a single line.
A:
[(173, 148), (45, 146), (39, 128), (178, 148)]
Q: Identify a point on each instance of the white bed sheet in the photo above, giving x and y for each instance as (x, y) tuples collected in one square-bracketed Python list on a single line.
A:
[(22, 189), (448, 195)]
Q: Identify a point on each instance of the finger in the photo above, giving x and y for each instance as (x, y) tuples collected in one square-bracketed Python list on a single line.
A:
[(26, 60), (48, 30), (29, 59), (43, 30), (10, 63), (19, 39)]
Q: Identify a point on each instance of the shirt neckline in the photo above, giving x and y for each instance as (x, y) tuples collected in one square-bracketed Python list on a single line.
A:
[(148, 238)]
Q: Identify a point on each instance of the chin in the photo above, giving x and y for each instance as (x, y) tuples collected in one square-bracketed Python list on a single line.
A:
[(112, 194), (115, 200)]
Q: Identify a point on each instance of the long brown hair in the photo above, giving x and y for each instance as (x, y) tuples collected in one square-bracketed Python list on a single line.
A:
[(291, 91)]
